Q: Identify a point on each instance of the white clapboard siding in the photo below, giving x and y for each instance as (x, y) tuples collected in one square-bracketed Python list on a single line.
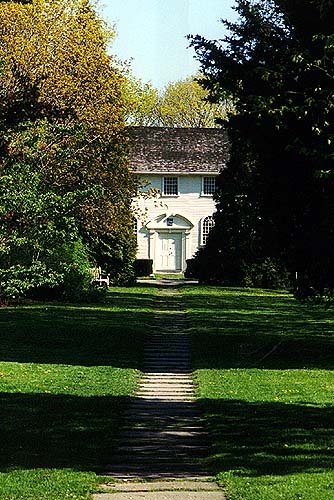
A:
[(190, 204)]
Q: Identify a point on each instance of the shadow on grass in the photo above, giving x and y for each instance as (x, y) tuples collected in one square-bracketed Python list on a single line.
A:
[(234, 329), (58, 431), (132, 298), (73, 335), (269, 438), (51, 431)]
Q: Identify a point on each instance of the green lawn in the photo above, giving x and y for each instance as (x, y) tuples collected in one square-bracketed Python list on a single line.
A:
[(264, 369), (66, 372)]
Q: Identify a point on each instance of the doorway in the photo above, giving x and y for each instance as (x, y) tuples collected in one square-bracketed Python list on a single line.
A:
[(169, 255)]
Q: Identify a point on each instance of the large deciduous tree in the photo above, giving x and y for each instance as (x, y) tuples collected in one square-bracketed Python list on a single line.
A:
[(275, 203), (63, 140), (183, 103)]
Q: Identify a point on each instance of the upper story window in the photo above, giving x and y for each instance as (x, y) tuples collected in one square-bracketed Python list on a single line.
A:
[(209, 186), (170, 186)]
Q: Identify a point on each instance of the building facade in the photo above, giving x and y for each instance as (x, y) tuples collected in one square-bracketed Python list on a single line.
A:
[(178, 167)]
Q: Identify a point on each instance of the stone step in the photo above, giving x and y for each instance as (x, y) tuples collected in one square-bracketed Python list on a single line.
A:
[(155, 486), (143, 452), (165, 495), (154, 461), (159, 382), (142, 401), (186, 426), (141, 414), (165, 467), (180, 335), (167, 379), (176, 362), (165, 434), (166, 401), (193, 449), (169, 339), (162, 350), (163, 443), (166, 365), (169, 390), (175, 374), (162, 357), (177, 392), (186, 384), (154, 476), (127, 439)]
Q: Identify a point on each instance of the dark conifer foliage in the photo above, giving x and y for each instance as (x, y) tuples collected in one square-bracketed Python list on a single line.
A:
[(275, 203)]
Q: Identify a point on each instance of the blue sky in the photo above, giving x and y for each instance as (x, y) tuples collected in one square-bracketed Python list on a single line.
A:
[(152, 33)]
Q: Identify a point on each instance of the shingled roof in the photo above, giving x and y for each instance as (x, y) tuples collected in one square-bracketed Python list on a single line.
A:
[(178, 150)]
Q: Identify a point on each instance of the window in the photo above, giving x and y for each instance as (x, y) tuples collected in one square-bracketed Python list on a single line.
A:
[(135, 225), (170, 186), (207, 225), (209, 185), (135, 228)]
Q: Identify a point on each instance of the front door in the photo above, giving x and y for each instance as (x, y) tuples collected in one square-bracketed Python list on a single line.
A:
[(169, 252)]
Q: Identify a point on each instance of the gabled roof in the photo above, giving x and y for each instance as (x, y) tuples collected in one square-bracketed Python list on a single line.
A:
[(178, 150)]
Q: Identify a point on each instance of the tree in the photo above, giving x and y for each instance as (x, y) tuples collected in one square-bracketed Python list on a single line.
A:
[(277, 63), (142, 103), (185, 104), (62, 117)]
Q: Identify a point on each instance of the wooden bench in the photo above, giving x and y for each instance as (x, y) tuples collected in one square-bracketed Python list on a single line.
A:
[(99, 277)]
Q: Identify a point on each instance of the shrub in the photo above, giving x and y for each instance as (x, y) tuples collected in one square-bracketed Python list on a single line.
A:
[(192, 269), (143, 267), (266, 273)]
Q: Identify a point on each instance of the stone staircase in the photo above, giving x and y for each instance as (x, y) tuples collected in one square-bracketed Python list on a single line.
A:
[(163, 435)]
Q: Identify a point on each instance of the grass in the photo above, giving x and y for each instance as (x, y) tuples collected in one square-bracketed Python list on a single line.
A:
[(264, 370), (66, 372)]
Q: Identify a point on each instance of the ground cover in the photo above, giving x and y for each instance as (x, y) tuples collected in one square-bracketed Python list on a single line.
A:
[(66, 372), (264, 371)]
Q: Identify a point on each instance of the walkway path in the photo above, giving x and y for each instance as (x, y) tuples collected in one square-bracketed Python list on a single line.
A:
[(163, 437)]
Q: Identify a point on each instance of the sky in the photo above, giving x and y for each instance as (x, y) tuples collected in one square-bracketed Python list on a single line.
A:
[(152, 34)]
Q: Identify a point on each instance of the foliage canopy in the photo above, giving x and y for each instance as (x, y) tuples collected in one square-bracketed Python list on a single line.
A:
[(275, 199), (183, 103), (64, 176)]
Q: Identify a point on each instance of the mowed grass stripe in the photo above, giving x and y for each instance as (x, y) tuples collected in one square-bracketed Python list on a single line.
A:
[(264, 372), (66, 375)]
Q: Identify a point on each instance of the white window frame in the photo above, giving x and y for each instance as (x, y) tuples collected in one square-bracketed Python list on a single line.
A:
[(172, 195), (135, 227), (203, 181), (206, 230)]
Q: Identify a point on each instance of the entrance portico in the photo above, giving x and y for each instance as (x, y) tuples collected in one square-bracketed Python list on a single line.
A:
[(169, 242)]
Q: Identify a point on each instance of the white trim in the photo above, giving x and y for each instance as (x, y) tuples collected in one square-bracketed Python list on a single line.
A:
[(172, 195), (202, 188), (203, 236), (174, 173)]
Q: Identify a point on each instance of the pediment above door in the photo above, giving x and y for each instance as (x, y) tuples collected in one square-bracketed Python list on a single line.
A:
[(170, 222)]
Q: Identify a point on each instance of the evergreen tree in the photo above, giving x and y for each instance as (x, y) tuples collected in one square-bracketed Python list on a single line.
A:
[(275, 207)]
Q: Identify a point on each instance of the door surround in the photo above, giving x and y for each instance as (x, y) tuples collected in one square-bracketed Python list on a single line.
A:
[(179, 228)]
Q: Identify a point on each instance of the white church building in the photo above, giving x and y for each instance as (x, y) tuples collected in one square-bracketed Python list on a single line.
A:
[(180, 165)]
